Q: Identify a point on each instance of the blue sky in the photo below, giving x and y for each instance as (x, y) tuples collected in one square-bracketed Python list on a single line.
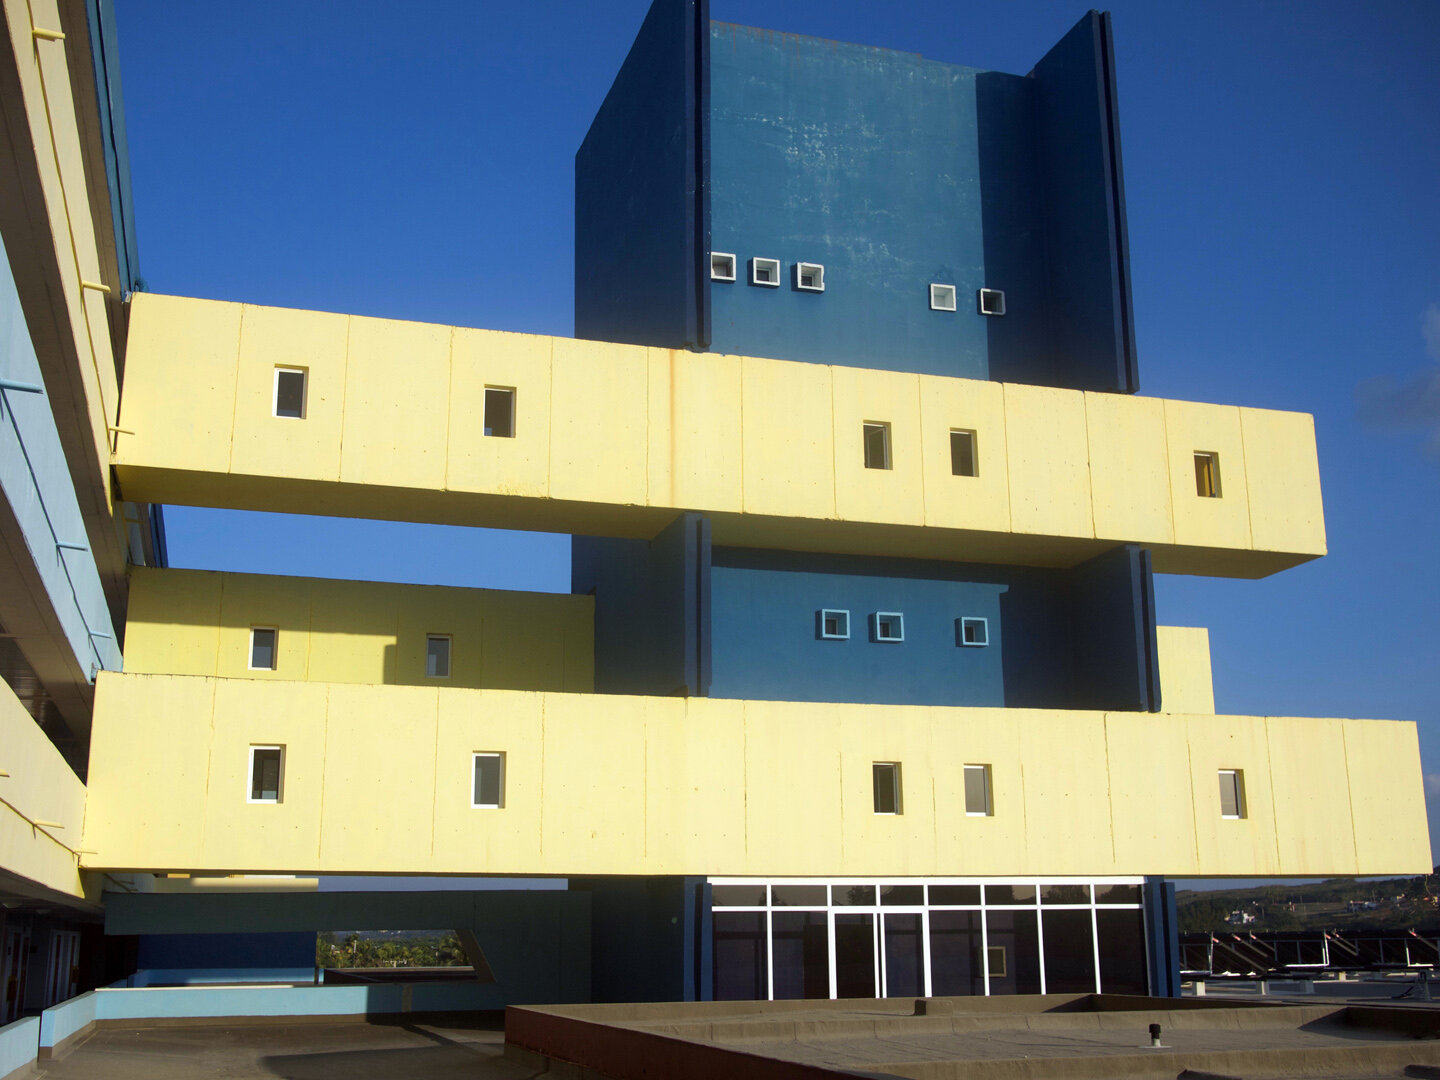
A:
[(1282, 174)]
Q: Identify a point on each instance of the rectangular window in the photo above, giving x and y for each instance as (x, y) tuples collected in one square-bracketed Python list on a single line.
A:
[(977, 791), (810, 277), (877, 444), (991, 301), (722, 266), (1232, 793), (489, 781), (963, 458), (834, 624), (290, 392), (886, 777), (973, 633), (765, 272), (437, 656), (500, 411), (267, 771), (1207, 474), (263, 640), (942, 297), (888, 626)]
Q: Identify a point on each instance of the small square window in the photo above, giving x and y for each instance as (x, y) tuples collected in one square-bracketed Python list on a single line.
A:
[(1232, 793), (722, 266), (977, 791), (886, 778), (972, 632), (500, 411), (834, 624), (991, 301), (877, 444), (888, 626), (267, 774), (942, 297), (1207, 474), (964, 459), (290, 392), (489, 791), (995, 956), (437, 656), (809, 277), (765, 272), (263, 640)]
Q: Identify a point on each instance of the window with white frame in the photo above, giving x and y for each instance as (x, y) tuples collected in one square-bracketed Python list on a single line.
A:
[(991, 301), (964, 460), (885, 778), (264, 648), (977, 791), (488, 792), (834, 624), (973, 632), (809, 277), (289, 399), (1232, 793), (888, 626), (765, 272), (942, 297), (437, 656), (1207, 474), (267, 774), (722, 266)]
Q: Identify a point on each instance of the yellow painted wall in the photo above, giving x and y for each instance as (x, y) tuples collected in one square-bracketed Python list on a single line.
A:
[(198, 622), (615, 439), (1186, 682), (40, 787), (377, 780)]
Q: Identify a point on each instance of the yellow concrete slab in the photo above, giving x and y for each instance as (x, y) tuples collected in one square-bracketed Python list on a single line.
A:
[(1186, 682)]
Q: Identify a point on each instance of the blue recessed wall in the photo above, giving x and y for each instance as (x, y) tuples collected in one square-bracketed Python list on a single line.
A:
[(1077, 638), (892, 171)]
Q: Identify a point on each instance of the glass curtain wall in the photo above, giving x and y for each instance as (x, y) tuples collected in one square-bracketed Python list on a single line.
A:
[(786, 939)]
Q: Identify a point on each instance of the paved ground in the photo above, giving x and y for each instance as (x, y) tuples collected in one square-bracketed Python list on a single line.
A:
[(346, 1051)]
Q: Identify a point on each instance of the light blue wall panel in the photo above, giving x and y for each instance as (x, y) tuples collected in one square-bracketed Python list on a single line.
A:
[(35, 482)]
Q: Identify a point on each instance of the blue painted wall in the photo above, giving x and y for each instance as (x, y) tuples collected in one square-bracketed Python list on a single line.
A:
[(282, 950), (639, 191), (890, 170), (651, 938), (894, 172), (1076, 638), (652, 616)]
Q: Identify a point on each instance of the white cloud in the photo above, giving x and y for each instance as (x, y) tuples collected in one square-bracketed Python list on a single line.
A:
[(1430, 328)]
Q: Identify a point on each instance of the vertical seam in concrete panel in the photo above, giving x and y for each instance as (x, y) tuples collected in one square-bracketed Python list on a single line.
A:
[(834, 447), (1089, 465), (1169, 476), (1245, 466), (741, 434), (550, 406), (209, 759), (1350, 793), (235, 389), (540, 795), (435, 776), (920, 440), (1194, 800), (449, 401), (324, 762), (1274, 814), (645, 783), (1024, 807), (344, 400), (1110, 792)]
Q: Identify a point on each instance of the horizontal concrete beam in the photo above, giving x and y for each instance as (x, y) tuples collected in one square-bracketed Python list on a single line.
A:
[(614, 440), (379, 779)]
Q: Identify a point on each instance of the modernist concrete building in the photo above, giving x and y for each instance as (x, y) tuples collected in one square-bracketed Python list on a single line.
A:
[(859, 690)]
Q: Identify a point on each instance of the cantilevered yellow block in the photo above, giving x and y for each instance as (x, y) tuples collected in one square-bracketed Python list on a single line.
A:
[(199, 622), (615, 440), (608, 784)]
